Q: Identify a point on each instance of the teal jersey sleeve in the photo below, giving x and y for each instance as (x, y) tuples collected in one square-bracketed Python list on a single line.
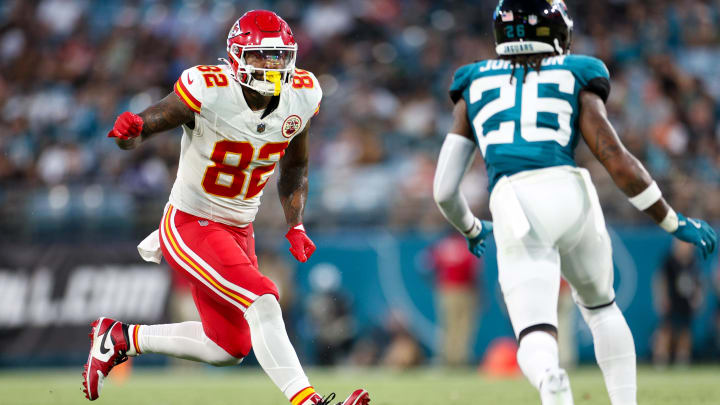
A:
[(592, 75), (461, 81)]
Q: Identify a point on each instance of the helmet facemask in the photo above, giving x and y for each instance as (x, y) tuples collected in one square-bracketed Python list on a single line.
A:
[(264, 68)]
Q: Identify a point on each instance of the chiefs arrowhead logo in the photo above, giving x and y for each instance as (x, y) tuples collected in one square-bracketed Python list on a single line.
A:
[(235, 30), (291, 126)]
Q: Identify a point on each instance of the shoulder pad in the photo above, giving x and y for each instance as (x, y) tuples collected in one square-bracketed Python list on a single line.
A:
[(193, 84), (588, 67), (592, 74), (189, 88), (307, 87), (461, 80)]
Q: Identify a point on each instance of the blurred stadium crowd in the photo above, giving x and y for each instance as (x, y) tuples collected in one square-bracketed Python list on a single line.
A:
[(68, 67)]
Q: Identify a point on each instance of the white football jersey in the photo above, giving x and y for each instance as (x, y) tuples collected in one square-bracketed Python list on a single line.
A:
[(227, 158)]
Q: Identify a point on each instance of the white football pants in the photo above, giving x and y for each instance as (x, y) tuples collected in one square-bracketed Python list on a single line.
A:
[(548, 222)]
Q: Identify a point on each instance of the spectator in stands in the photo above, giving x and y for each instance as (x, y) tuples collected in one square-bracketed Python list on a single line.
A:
[(69, 66), (678, 295)]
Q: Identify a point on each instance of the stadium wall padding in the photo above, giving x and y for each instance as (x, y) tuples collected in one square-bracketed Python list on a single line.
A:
[(382, 271), (49, 293)]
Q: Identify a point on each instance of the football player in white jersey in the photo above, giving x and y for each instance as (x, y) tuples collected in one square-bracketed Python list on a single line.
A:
[(526, 111), (239, 121)]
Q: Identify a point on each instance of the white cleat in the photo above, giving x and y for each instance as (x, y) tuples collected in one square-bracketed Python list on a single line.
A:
[(555, 388)]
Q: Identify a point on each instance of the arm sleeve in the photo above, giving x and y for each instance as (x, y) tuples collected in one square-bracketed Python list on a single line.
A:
[(595, 77), (456, 156), (189, 87)]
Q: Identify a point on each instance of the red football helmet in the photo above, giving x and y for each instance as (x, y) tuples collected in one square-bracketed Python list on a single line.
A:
[(262, 51)]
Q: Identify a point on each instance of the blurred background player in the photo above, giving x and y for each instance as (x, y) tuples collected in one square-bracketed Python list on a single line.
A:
[(526, 112), (328, 312), (678, 295), (456, 298), (239, 120)]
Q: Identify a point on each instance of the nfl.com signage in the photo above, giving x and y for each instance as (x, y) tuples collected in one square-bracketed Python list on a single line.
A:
[(50, 294), (122, 292)]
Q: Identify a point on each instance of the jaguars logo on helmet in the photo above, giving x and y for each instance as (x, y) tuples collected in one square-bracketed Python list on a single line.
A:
[(531, 27)]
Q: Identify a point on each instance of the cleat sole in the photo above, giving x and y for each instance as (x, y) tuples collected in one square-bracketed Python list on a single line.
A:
[(85, 374)]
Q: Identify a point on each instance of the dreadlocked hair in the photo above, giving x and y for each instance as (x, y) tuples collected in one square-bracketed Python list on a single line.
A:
[(527, 62)]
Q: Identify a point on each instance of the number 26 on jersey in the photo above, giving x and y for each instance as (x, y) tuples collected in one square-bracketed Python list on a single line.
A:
[(531, 105)]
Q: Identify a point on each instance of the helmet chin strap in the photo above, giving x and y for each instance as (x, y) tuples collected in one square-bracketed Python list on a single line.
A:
[(271, 85), (263, 87)]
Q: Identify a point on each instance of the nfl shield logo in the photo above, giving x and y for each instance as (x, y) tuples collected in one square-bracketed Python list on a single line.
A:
[(507, 16), (261, 127), (532, 19)]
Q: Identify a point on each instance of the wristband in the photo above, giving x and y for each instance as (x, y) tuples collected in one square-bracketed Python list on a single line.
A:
[(475, 230), (671, 222), (647, 198)]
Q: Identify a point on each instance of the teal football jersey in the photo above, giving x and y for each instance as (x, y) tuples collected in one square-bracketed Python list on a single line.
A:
[(532, 123)]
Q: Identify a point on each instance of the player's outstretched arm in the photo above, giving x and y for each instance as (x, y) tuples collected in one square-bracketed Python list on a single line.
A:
[(132, 129), (293, 190), (456, 156), (625, 169), (631, 177)]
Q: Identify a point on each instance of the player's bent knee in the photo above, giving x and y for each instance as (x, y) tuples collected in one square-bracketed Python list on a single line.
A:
[(220, 357), (542, 327), (600, 306), (596, 299), (601, 313), (594, 296), (266, 307)]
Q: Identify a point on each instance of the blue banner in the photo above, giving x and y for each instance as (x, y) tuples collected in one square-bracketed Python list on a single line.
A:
[(383, 272)]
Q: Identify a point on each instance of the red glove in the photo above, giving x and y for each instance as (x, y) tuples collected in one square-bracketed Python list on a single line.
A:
[(300, 245), (127, 125)]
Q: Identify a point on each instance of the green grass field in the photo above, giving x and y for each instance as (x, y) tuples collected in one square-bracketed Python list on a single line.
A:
[(429, 386)]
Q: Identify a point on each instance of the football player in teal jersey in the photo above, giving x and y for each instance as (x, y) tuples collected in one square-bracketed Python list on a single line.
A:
[(526, 111)]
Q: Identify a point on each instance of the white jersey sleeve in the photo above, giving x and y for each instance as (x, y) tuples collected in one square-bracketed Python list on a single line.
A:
[(190, 86), (309, 92)]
